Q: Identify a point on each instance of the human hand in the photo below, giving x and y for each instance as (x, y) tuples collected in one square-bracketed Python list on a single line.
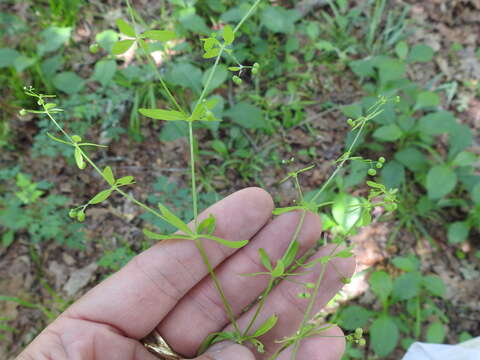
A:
[(168, 288)]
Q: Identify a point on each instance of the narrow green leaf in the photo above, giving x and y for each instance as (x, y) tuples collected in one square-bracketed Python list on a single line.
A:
[(108, 174), (227, 243), (265, 259), (126, 180), (101, 196), (291, 253), (79, 159), (279, 211), (174, 220), (228, 34), (207, 226), (122, 46), (279, 269), (57, 139), (266, 326), (159, 35), (345, 253), (155, 236), (159, 114), (125, 28)]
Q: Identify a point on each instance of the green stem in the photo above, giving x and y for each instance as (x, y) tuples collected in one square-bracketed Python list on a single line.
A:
[(218, 286), (259, 307), (310, 305), (97, 169), (152, 64), (192, 173)]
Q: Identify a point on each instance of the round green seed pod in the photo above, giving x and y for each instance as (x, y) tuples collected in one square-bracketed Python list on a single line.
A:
[(372, 172), (94, 48), (72, 213), (81, 216), (237, 80), (23, 112)]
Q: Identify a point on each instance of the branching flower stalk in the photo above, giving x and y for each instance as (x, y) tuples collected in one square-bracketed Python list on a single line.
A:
[(285, 267)]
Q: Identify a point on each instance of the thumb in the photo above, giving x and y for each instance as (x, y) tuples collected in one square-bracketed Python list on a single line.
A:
[(227, 351)]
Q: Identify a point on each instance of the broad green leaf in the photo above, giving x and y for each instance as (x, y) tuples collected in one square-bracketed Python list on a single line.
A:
[(265, 259), (421, 53), (22, 62), (458, 232), (228, 34), (155, 236), (381, 284), (185, 75), (434, 285), (79, 159), (346, 211), (391, 70), (384, 335), (211, 53), (104, 71), (441, 180), (207, 226), (159, 35), (125, 28), (465, 158), (101, 196), (106, 39), (412, 158), (53, 38), (388, 133), (435, 333), (247, 115), (68, 82), (227, 243), (7, 238), (401, 49), (159, 114), (393, 174), (406, 263), (108, 174), (122, 46), (407, 286), (354, 316), (437, 123), (126, 180), (279, 20), (7, 57), (174, 220), (219, 77), (279, 269), (476, 194), (266, 326), (427, 99)]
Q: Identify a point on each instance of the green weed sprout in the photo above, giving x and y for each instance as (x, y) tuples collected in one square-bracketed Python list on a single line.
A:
[(214, 47)]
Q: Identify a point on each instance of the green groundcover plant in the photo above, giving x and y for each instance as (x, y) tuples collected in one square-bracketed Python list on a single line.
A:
[(220, 48)]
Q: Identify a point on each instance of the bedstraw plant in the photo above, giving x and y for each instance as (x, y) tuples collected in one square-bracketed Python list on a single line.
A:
[(219, 47)]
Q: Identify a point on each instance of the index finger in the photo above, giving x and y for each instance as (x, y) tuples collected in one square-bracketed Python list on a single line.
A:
[(135, 299)]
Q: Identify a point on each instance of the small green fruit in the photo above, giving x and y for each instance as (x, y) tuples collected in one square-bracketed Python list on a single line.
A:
[(381, 159), (372, 172), (81, 216), (72, 213), (94, 48), (23, 112), (237, 80)]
